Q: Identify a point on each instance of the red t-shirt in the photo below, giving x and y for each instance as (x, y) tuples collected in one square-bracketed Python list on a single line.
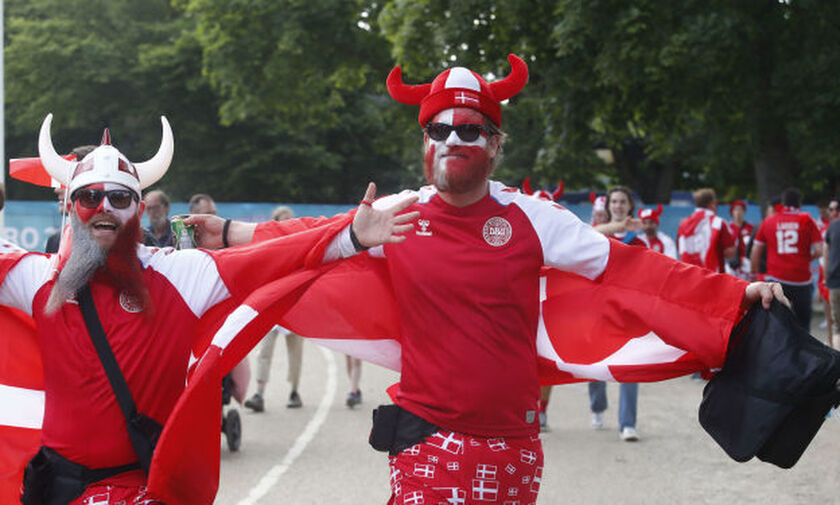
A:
[(468, 289), (788, 236)]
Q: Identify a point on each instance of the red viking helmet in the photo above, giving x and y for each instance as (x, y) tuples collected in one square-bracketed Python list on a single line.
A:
[(460, 87), (651, 214), (542, 194)]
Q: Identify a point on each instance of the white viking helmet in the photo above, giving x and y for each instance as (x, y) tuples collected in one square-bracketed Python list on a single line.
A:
[(105, 163)]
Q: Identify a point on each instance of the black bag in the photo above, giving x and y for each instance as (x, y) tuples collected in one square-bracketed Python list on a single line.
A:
[(51, 479), (774, 391), (396, 429)]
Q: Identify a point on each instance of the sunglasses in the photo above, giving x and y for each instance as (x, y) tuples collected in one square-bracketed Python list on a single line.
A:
[(466, 132), (91, 198)]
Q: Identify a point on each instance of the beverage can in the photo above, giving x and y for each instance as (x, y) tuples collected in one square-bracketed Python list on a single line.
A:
[(184, 233)]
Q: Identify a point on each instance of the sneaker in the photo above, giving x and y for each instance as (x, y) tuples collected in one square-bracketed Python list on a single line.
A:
[(294, 401), (628, 434), (255, 403), (544, 423), (598, 420), (354, 398)]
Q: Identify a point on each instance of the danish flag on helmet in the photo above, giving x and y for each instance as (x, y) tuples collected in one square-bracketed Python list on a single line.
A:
[(460, 87)]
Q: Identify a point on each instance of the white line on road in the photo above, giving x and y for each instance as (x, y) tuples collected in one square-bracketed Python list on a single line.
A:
[(273, 475)]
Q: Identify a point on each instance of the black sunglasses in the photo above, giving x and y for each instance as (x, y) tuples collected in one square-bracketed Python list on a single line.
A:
[(466, 132), (91, 198)]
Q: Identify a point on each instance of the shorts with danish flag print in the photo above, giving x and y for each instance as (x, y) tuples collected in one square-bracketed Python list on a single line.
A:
[(104, 494), (456, 469)]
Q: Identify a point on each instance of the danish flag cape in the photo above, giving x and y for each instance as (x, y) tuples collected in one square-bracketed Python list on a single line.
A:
[(646, 318)]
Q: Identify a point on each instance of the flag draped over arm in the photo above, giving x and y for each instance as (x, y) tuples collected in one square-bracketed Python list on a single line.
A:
[(647, 318)]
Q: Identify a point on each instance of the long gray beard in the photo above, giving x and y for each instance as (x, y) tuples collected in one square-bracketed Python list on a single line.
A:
[(86, 257)]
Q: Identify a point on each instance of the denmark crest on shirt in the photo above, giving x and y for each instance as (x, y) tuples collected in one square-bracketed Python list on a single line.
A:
[(497, 231), (130, 303)]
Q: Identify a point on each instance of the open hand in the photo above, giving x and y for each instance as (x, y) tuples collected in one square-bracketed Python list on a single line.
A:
[(375, 227)]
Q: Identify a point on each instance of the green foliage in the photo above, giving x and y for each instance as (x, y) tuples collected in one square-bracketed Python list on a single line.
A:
[(284, 100)]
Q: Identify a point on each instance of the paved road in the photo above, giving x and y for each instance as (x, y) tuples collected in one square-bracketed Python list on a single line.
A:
[(319, 453)]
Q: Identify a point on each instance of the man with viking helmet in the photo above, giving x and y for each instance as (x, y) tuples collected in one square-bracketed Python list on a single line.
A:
[(464, 427), (148, 302)]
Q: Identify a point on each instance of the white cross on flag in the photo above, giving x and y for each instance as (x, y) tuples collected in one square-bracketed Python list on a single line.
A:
[(485, 490), (453, 466), (462, 97), (396, 475), (449, 443), (414, 498), (513, 491), (535, 483), (457, 496), (511, 502), (98, 499), (510, 469), (425, 471), (497, 444), (414, 450), (527, 456), (484, 471)]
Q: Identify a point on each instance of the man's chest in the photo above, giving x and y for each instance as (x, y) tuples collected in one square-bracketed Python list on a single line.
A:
[(492, 252)]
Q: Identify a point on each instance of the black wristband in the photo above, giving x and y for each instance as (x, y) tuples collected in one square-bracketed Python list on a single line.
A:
[(225, 229), (356, 244)]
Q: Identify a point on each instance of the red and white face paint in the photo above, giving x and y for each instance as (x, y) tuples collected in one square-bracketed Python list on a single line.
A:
[(105, 221), (454, 165)]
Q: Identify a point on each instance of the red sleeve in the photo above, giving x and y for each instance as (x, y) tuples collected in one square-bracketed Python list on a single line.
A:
[(245, 268), (274, 229), (759, 236)]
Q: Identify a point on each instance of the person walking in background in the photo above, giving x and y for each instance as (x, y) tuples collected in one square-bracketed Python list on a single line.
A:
[(741, 230), (831, 265), (354, 373), (830, 213), (703, 239), (624, 228), (159, 232), (792, 240), (294, 348)]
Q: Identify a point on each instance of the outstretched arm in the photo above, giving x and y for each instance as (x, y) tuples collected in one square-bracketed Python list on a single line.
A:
[(372, 227)]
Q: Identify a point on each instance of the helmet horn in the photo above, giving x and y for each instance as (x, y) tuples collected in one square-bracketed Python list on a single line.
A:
[(526, 186), (514, 82), (405, 93), (152, 170), (559, 191), (58, 168)]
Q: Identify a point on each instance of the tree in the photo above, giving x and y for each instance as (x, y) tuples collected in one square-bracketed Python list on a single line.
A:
[(694, 92)]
